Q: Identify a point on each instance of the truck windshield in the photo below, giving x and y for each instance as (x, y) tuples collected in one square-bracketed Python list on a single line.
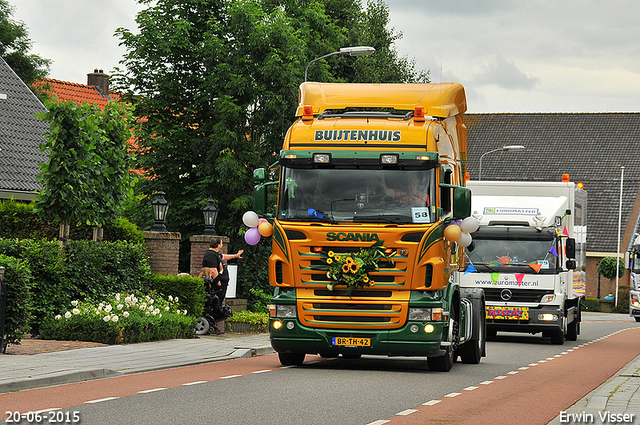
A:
[(357, 195), (515, 252)]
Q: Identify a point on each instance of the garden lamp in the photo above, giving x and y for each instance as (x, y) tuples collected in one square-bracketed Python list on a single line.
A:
[(160, 207), (210, 213)]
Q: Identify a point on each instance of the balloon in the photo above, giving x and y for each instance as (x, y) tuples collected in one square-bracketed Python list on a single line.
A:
[(265, 229), (262, 220), (452, 232), (464, 240), (252, 236), (250, 219), (469, 225)]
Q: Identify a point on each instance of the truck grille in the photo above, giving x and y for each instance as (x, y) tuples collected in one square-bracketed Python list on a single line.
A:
[(360, 310), (517, 295)]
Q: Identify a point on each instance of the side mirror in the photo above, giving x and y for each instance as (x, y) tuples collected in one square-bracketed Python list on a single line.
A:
[(570, 248), (259, 175), (571, 264), (260, 199), (456, 199)]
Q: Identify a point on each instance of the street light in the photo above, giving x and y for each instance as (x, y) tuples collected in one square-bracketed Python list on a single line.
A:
[(504, 148), (160, 207), (210, 213), (348, 51)]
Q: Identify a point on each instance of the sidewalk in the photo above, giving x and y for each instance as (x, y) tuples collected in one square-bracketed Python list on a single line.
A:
[(619, 395), (21, 372)]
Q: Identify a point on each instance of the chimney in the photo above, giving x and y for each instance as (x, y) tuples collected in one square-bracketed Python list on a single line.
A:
[(100, 81)]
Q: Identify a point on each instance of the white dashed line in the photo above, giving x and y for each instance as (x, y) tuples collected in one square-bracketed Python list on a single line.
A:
[(486, 382), (500, 377), (230, 376), (451, 395), (380, 422), (431, 403), (406, 412), (153, 390), (470, 389), (195, 383), (262, 371), (100, 400)]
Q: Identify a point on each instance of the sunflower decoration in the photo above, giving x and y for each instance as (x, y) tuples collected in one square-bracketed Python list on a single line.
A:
[(352, 269)]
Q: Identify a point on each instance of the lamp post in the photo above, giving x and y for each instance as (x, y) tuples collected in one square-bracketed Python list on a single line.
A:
[(160, 207), (504, 148), (210, 213), (348, 51)]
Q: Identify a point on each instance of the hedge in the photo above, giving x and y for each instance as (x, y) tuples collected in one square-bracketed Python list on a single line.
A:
[(18, 279)]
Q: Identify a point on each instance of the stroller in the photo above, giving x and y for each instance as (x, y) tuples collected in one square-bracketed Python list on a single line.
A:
[(214, 312)]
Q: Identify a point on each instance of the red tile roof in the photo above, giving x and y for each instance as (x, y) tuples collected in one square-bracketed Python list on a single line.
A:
[(66, 91)]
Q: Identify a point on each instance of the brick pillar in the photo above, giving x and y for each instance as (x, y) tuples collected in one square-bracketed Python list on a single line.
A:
[(163, 250), (199, 245)]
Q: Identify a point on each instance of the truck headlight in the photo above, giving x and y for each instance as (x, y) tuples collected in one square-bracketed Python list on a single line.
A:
[(283, 310), (421, 314), (548, 298)]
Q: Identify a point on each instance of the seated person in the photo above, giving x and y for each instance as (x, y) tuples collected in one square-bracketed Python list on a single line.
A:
[(411, 195)]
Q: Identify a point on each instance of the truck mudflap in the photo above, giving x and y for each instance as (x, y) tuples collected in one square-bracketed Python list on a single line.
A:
[(409, 340)]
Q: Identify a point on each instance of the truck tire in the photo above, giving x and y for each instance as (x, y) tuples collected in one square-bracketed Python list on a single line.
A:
[(291, 359), (573, 329), (445, 363), (557, 336), (472, 351)]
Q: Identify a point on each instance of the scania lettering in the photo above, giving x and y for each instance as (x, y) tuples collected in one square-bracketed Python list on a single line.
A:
[(369, 177), (529, 256)]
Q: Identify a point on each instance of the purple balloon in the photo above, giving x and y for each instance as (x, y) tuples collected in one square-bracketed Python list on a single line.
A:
[(252, 236)]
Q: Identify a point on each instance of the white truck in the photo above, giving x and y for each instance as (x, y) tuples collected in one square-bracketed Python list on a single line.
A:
[(633, 264), (529, 256)]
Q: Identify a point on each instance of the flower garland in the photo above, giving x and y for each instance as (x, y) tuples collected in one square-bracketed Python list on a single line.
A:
[(352, 269)]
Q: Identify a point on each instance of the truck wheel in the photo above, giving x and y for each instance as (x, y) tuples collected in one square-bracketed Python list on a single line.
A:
[(445, 363), (472, 351), (557, 336), (291, 359)]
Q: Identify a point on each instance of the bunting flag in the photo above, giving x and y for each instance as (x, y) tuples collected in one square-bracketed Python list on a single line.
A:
[(553, 251), (535, 266), (565, 232), (470, 269), (519, 277), (494, 277)]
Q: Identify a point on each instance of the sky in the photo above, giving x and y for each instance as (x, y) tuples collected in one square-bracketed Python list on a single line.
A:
[(511, 56)]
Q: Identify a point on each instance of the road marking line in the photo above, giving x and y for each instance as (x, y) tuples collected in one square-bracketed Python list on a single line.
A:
[(533, 364), (550, 358), (48, 410), (470, 389), (451, 395), (406, 412), (513, 372), (380, 422), (196, 382), (262, 371), (100, 400), (486, 382), (541, 361), (153, 390), (523, 368), (431, 402), (500, 377), (230, 376)]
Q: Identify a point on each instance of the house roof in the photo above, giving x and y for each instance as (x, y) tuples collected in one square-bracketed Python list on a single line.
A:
[(20, 136), (79, 93), (590, 147)]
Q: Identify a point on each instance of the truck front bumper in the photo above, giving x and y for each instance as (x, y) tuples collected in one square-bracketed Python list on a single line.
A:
[(410, 340), (634, 305), (534, 324)]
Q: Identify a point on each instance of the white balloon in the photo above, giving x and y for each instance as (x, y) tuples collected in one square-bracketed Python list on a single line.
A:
[(464, 240), (251, 219), (469, 224)]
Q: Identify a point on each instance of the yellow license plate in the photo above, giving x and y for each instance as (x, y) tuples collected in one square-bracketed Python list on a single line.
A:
[(339, 341), (507, 313)]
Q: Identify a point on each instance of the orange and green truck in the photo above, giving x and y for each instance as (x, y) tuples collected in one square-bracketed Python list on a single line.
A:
[(369, 177)]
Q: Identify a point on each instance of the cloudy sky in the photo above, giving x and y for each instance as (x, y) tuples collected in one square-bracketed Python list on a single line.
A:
[(511, 56)]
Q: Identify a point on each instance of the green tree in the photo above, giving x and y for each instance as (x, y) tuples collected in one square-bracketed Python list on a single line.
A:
[(215, 85), (14, 48), (86, 175), (607, 267)]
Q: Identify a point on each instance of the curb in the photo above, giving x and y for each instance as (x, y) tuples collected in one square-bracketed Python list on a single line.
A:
[(57, 378)]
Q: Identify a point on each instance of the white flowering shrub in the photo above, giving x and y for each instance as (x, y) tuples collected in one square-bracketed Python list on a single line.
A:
[(121, 318)]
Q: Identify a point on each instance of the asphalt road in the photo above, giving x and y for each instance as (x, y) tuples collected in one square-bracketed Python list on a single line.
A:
[(524, 379)]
